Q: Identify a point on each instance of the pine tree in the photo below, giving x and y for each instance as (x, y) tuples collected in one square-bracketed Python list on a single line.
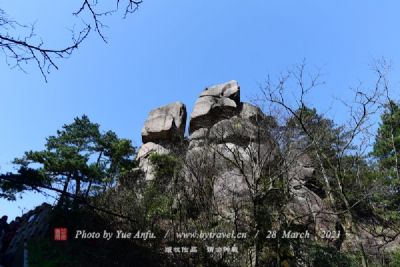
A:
[(79, 155), (387, 142), (386, 150)]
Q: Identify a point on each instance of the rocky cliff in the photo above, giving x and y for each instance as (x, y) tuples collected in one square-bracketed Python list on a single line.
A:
[(228, 148), (230, 144)]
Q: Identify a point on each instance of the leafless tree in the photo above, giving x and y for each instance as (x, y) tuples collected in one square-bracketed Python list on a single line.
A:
[(20, 49), (360, 112), (356, 139)]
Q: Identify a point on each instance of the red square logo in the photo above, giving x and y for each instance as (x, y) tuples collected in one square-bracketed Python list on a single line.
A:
[(60, 234)]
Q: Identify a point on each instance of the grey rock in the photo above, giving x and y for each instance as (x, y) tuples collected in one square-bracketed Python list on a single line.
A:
[(307, 208), (225, 103), (230, 192), (196, 143), (143, 157), (146, 149), (232, 156), (229, 89), (230, 151), (251, 112), (201, 133), (166, 123), (239, 131), (299, 176), (214, 104), (234, 130), (200, 157)]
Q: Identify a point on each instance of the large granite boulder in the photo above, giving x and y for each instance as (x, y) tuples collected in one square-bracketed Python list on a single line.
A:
[(238, 131), (232, 198), (229, 90), (165, 124), (163, 128), (225, 131), (301, 168), (214, 104), (251, 112), (305, 207)]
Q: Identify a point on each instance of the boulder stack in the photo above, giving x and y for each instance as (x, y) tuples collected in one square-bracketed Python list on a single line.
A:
[(223, 130), (165, 124), (164, 127), (215, 103)]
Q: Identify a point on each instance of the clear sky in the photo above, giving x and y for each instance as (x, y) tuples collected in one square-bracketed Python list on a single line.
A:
[(170, 50)]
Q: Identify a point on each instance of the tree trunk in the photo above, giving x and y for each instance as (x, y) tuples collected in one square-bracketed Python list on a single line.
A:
[(64, 192), (90, 179), (395, 154), (88, 189), (326, 180), (77, 193), (363, 256), (256, 247), (78, 187)]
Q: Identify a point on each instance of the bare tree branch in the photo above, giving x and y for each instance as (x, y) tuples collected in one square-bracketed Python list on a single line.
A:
[(19, 51)]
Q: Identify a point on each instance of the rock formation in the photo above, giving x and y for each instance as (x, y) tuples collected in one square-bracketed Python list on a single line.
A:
[(166, 123), (305, 206), (215, 103), (224, 133), (229, 145), (164, 127)]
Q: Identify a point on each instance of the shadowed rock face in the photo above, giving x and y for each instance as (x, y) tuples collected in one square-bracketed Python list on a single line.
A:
[(166, 123)]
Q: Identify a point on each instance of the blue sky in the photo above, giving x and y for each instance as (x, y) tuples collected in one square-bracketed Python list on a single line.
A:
[(170, 50)]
